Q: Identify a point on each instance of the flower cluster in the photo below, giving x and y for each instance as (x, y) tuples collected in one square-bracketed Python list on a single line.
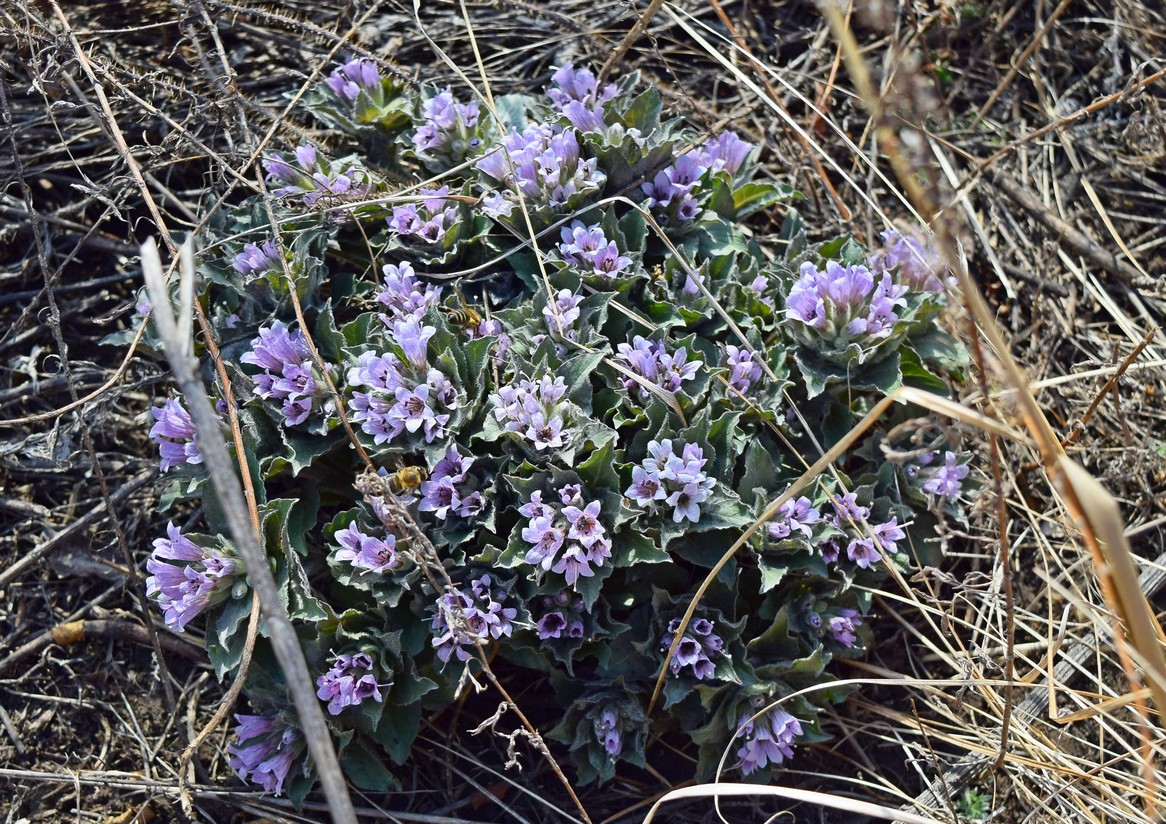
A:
[(450, 132), (403, 295), (561, 313), (174, 432), (535, 411), (288, 376), (793, 516), (651, 361), (463, 619), (743, 366), (348, 682), (563, 617), (679, 481), (449, 489), (266, 748), (588, 249), (544, 165), (670, 193), (576, 95), (357, 75), (366, 553), (566, 537), (868, 541), (313, 178), (840, 305), (947, 481), (843, 625), (724, 153), (185, 578), (698, 643), (428, 220), (769, 739), (256, 259), (403, 395), (919, 263)]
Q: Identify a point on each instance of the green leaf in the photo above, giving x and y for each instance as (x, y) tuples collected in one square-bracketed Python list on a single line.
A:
[(365, 770), (598, 470)]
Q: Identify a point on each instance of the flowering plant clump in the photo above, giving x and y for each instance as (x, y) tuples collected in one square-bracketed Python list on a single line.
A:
[(476, 446)]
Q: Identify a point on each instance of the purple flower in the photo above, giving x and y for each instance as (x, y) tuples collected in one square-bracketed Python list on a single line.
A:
[(841, 304), (678, 480), (693, 652), (257, 259), (349, 682), (686, 502), (357, 75), (449, 488), (947, 481), (564, 617), (920, 264), (842, 626), (562, 314), (670, 192), (585, 525), (863, 552), (535, 508), (725, 152), (768, 739), (451, 131), (608, 731), (463, 619), (534, 411), (545, 540), (265, 750), (288, 374), (428, 220), (887, 534), (365, 552), (650, 360), (312, 177), (646, 488), (797, 515), (403, 295), (576, 94), (175, 435), (185, 578), (847, 510), (743, 368), (545, 165)]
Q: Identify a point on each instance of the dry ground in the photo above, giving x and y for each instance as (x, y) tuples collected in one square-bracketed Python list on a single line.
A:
[(1043, 140)]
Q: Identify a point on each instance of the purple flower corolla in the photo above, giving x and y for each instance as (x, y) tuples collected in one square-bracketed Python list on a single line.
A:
[(769, 739), (463, 619), (428, 220), (698, 643), (348, 682), (403, 295), (670, 192), (947, 481), (568, 538), (608, 731), (725, 152), (288, 373), (451, 130), (842, 627), (575, 93), (918, 262), (256, 259), (265, 750), (799, 515), (357, 75), (534, 411), (744, 370), (651, 360), (365, 552), (413, 338), (564, 617), (545, 165), (185, 578), (175, 434), (312, 177), (677, 480), (564, 313), (847, 510), (843, 304), (402, 396), (587, 248), (449, 488)]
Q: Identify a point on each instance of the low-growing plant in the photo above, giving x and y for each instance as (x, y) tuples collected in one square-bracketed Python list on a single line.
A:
[(550, 386)]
